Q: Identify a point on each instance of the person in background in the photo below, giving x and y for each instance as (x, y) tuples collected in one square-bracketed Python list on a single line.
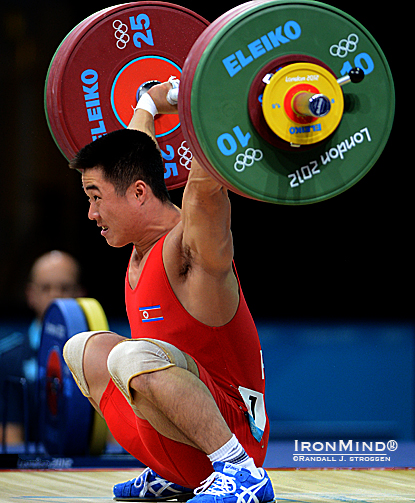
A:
[(55, 274)]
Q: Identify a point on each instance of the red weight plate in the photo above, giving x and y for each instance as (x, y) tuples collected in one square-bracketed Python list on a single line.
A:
[(94, 76)]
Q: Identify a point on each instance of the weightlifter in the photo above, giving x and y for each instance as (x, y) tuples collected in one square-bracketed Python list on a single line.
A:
[(187, 391)]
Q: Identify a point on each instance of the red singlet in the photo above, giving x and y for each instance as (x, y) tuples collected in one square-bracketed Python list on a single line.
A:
[(230, 364)]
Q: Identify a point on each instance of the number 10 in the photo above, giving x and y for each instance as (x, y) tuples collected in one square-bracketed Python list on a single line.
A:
[(363, 61)]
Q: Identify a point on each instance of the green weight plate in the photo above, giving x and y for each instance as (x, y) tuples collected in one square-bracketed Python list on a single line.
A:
[(219, 72)]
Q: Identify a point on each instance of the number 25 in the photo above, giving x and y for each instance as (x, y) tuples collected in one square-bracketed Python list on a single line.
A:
[(141, 23)]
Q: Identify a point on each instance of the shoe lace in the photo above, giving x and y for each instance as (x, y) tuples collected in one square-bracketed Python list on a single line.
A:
[(142, 483), (217, 483), (141, 480)]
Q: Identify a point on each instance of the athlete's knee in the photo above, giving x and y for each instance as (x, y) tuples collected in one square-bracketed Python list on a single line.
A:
[(141, 357), (86, 354)]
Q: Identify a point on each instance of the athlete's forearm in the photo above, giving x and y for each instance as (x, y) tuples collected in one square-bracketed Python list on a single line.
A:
[(143, 121)]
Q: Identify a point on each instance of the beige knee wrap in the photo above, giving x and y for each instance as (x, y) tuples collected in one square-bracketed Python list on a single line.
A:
[(73, 353), (133, 357)]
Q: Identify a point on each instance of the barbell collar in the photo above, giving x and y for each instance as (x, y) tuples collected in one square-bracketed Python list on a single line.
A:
[(311, 105)]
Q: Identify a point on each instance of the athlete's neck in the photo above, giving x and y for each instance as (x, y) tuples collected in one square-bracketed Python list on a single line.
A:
[(161, 222)]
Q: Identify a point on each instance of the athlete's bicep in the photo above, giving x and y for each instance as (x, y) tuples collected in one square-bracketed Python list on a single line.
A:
[(206, 217)]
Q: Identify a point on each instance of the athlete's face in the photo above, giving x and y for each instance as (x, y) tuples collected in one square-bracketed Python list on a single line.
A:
[(115, 214)]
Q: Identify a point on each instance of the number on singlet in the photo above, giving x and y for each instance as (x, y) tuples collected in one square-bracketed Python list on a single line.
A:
[(253, 400), (255, 404)]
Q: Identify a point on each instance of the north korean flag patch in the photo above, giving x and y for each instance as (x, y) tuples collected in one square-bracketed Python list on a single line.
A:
[(150, 313)]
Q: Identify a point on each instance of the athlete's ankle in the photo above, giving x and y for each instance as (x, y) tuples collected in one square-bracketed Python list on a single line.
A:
[(233, 452), (249, 464)]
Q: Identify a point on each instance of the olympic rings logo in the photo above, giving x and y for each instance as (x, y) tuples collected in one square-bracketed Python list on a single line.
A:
[(121, 34), (247, 159), (345, 46), (185, 155)]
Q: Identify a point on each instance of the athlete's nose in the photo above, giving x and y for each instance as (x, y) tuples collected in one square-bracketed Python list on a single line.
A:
[(93, 212)]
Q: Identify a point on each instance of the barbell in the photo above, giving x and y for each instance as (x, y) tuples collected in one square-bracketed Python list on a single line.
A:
[(288, 102)]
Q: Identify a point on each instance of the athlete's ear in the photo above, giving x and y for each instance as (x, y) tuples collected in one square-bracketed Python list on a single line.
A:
[(140, 189)]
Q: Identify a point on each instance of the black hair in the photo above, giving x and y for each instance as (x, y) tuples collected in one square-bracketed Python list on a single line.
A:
[(125, 156)]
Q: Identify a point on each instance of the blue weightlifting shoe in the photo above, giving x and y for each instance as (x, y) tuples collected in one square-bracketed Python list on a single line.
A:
[(232, 484), (150, 487)]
